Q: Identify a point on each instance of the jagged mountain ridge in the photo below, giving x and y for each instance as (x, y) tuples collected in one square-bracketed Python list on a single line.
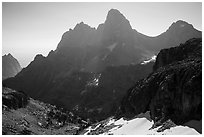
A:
[(61, 77), (10, 66), (115, 42)]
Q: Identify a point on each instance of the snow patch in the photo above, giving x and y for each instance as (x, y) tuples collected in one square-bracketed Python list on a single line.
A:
[(111, 121), (91, 129), (153, 58), (197, 125), (95, 81), (111, 47), (141, 125), (121, 122)]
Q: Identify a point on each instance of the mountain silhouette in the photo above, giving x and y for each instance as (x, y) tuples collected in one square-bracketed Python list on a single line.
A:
[(82, 57), (10, 66)]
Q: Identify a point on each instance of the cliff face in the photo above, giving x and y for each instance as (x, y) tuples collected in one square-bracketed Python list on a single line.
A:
[(172, 91), (192, 48), (10, 66)]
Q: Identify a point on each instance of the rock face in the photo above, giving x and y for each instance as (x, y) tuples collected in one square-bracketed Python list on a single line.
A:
[(10, 66), (13, 99), (68, 76), (191, 48), (174, 90)]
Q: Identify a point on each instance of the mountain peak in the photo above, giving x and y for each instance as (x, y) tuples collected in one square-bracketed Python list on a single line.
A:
[(180, 24), (81, 25), (39, 57), (10, 66), (114, 11), (116, 27), (115, 16), (8, 56)]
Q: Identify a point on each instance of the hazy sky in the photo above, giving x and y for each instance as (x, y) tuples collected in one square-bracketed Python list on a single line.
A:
[(36, 28)]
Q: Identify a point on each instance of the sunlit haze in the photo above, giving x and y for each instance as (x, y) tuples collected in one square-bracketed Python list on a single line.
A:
[(36, 28)]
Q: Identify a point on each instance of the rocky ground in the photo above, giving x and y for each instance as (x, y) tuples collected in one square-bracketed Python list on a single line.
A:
[(37, 118)]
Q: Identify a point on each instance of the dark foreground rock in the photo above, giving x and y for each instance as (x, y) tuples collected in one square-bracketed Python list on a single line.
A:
[(172, 91), (13, 99)]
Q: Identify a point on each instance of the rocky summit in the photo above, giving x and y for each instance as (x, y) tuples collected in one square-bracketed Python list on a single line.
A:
[(10, 66)]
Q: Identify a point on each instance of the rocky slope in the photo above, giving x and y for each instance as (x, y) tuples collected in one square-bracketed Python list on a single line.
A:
[(68, 76), (174, 90), (22, 115), (10, 66), (102, 94), (90, 95)]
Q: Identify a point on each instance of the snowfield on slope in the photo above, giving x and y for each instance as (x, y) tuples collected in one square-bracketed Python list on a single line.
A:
[(152, 59), (141, 125)]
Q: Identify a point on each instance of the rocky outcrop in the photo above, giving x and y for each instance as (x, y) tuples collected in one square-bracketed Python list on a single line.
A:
[(172, 91), (14, 99), (167, 56), (10, 66)]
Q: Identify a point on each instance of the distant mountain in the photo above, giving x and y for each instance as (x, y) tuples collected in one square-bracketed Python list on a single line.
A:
[(10, 66), (85, 53), (178, 32), (115, 43), (92, 50)]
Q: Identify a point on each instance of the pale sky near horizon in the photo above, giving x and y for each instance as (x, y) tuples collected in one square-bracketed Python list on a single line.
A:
[(29, 29)]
